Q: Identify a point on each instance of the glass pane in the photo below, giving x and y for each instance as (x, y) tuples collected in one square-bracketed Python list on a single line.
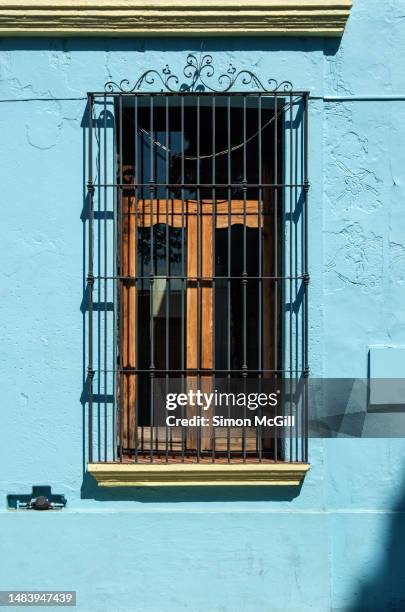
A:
[(230, 323)]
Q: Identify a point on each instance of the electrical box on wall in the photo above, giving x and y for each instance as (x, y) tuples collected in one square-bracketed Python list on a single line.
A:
[(386, 378)]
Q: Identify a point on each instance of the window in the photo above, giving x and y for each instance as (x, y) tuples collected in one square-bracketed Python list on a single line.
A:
[(198, 272)]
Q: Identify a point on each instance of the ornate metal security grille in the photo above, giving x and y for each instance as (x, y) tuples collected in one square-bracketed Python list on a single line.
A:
[(197, 262)]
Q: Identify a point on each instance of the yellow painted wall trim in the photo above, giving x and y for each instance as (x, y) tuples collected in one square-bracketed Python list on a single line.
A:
[(197, 474), (173, 17)]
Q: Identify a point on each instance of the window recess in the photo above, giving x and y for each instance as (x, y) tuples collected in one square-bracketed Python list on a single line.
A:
[(197, 267)]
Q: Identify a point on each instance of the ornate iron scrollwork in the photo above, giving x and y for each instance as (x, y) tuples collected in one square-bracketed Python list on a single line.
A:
[(197, 71)]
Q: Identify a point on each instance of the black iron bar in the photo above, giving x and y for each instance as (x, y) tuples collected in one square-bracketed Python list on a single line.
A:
[(213, 287), (151, 284), (297, 263), (183, 279), (98, 242), (206, 370), (228, 284), (90, 277), (244, 280), (232, 185), (105, 281), (207, 278), (167, 280), (259, 445), (199, 274), (136, 305), (276, 264), (115, 279), (306, 274), (290, 318), (121, 289)]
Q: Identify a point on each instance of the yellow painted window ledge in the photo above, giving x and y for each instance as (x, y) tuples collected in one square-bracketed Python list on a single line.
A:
[(173, 17), (157, 475)]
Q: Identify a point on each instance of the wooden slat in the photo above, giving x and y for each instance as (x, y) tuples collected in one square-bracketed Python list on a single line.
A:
[(128, 320), (189, 208), (192, 294), (199, 240), (206, 318), (191, 320)]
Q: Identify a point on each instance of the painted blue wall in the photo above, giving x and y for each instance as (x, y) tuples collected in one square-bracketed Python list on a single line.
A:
[(334, 545)]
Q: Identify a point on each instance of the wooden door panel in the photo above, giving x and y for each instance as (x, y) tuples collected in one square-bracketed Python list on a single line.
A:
[(199, 340), (126, 320)]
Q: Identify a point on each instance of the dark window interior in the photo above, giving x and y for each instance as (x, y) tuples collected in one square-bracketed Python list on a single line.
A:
[(174, 155)]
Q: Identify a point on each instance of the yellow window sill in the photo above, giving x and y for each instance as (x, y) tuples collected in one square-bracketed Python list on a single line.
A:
[(157, 475)]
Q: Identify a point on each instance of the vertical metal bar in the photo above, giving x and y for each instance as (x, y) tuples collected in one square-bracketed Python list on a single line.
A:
[(199, 273), (244, 280), (136, 314), (229, 270), (143, 282), (306, 277), (259, 444), (105, 278), (291, 268), (167, 283), (277, 357), (114, 408), (296, 272), (90, 276), (121, 329), (113, 170), (183, 276), (213, 273), (152, 276), (98, 276)]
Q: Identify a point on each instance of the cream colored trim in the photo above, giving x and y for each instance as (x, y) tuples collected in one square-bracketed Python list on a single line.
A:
[(173, 17), (197, 474)]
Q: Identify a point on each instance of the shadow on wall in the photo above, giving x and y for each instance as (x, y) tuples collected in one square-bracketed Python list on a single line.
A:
[(384, 590), (156, 495), (267, 44)]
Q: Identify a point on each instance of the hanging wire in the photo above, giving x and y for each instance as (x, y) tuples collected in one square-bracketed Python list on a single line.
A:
[(225, 151)]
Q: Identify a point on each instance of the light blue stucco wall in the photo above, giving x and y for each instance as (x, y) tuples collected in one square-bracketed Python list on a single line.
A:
[(336, 543)]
